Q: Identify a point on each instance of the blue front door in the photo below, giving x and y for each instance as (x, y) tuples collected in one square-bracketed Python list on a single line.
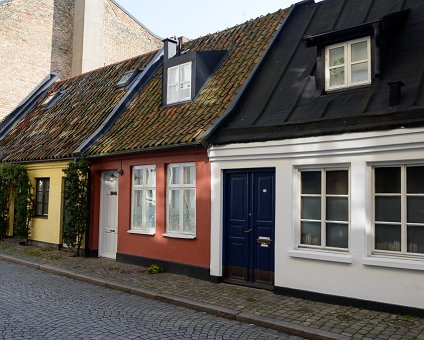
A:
[(249, 209)]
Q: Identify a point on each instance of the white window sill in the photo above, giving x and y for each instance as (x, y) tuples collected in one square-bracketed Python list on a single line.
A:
[(321, 255), (185, 236), (391, 262), (141, 232)]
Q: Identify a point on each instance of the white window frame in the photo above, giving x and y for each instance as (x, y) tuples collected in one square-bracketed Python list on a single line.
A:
[(134, 187), (403, 253), (323, 221), (347, 65), (179, 84), (180, 233)]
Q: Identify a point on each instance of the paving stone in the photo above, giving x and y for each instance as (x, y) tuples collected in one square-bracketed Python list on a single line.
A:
[(356, 322)]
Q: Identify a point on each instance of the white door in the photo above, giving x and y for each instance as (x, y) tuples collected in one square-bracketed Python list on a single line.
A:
[(108, 232)]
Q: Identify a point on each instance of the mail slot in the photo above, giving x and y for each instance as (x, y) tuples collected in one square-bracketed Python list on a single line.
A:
[(264, 241)]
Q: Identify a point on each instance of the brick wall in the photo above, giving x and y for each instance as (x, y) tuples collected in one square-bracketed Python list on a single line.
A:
[(25, 48), (123, 30), (36, 39)]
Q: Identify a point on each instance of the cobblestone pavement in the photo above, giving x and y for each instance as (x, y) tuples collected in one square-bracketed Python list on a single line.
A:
[(301, 314), (38, 305)]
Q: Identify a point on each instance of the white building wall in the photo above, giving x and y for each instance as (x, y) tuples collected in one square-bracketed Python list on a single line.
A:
[(357, 273)]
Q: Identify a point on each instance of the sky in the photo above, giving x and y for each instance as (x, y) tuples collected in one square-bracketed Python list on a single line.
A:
[(195, 18)]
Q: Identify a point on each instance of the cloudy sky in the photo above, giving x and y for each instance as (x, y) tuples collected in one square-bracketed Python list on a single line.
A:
[(194, 18)]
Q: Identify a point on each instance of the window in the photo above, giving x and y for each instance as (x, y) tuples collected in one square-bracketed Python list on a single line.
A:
[(42, 196), (399, 209), (126, 78), (324, 208), (348, 64), (144, 199), (181, 209), (179, 83)]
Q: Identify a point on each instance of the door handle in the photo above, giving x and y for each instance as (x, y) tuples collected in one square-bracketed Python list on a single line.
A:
[(112, 230), (248, 231)]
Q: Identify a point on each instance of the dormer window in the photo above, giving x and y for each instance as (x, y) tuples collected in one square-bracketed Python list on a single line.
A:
[(179, 83), (348, 64)]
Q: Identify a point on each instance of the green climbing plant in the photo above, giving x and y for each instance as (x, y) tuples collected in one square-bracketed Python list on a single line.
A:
[(15, 185), (76, 204)]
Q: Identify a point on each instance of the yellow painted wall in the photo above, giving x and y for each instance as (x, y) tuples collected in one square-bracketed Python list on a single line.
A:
[(49, 229)]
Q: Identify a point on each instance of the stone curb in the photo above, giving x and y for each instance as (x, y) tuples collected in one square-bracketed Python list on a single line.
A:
[(289, 328)]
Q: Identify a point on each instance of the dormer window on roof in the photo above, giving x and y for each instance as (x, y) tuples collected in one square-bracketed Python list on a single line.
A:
[(179, 83), (185, 73), (348, 64)]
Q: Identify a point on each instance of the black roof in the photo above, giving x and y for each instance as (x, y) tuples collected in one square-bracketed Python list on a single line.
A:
[(286, 99)]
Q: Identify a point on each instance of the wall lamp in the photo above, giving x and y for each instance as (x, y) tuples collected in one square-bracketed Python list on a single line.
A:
[(116, 173)]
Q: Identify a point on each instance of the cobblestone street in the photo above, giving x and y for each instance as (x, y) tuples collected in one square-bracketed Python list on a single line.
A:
[(38, 305)]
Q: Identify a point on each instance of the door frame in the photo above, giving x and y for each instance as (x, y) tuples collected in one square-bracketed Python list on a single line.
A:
[(250, 199), (103, 175)]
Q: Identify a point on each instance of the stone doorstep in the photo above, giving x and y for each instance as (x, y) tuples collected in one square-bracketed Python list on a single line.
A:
[(289, 328)]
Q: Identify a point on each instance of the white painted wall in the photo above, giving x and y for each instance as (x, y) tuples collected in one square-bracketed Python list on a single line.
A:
[(357, 273)]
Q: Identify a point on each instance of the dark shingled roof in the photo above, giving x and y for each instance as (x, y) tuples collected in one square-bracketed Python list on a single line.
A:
[(56, 133), (284, 100), (147, 125)]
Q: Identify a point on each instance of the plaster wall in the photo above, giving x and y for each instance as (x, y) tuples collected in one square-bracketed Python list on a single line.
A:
[(194, 252), (49, 229), (357, 273)]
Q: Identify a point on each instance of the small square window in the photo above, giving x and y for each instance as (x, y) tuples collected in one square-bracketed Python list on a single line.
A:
[(126, 78), (348, 64), (179, 83)]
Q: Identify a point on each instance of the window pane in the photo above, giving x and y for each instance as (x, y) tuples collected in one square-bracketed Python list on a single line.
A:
[(189, 175), (174, 210), (337, 235), (359, 51), (387, 209), (415, 209), (39, 209), (337, 76), (46, 184), (311, 233), (311, 208), (337, 209), (173, 76), (415, 179), (360, 72), (185, 73), (185, 91), (138, 176), (387, 237), (151, 177), (174, 175), (387, 180), (46, 197), (189, 210), (137, 209), (172, 94), (39, 185), (45, 209), (415, 239), (311, 182), (336, 56), (150, 205), (337, 182)]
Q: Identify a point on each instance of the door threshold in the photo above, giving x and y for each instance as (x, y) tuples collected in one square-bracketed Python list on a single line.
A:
[(236, 282)]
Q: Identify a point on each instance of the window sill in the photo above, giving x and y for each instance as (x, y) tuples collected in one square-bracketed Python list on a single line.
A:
[(184, 236), (141, 232), (391, 262), (321, 255), (42, 217)]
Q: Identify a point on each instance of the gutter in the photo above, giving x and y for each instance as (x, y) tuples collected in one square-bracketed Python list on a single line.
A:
[(204, 138), (27, 104), (137, 86)]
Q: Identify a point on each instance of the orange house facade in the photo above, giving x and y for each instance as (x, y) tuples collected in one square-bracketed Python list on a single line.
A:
[(179, 185)]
